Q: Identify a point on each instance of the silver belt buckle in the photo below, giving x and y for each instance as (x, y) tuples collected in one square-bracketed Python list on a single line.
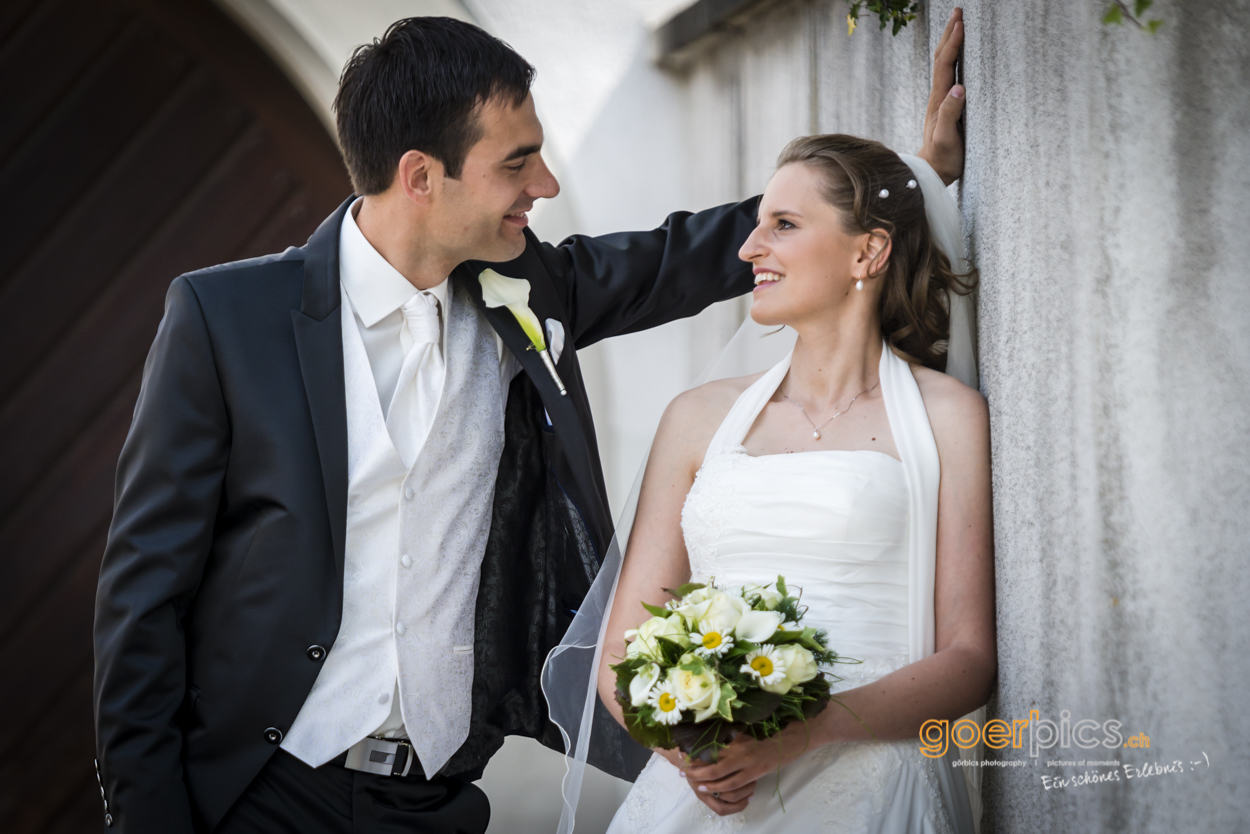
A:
[(381, 756)]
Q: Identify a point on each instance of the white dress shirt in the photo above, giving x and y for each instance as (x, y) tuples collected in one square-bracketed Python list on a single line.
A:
[(377, 292)]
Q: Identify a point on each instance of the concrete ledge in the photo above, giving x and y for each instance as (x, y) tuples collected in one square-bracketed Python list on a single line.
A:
[(686, 34)]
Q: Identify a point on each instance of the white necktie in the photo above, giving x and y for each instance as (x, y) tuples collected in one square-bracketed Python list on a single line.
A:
[(420, 384)]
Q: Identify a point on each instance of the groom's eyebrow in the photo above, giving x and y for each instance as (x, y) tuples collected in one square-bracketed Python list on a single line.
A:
[(523, 151)]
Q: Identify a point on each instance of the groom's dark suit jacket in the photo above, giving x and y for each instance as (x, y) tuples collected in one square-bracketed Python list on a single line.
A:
[(224, 565)]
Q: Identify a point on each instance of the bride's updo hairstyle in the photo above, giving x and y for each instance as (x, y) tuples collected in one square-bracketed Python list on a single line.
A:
[(917, 276)]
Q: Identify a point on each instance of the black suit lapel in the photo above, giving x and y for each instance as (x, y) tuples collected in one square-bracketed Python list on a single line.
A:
[(562, 409), (319, 342)]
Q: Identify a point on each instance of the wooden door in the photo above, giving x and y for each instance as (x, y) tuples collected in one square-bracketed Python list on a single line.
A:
[(139, 139)]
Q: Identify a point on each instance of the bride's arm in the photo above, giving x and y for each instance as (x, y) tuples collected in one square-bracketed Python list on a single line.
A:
[(959, 676), (943, 146), (655, 557)]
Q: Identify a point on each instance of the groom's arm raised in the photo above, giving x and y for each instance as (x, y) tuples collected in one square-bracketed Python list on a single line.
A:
[(169, 479), (629, 281)]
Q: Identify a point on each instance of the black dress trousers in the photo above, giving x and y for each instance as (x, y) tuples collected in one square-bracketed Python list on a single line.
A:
[(290, 797)]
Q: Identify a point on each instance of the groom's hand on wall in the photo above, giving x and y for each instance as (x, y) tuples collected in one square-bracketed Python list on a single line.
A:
[(943, 142)]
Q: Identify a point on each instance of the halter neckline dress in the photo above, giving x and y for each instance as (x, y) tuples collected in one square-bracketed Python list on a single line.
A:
[(856, 531)]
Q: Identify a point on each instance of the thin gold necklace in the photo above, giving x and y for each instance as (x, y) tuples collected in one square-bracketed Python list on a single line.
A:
[(815, 428)]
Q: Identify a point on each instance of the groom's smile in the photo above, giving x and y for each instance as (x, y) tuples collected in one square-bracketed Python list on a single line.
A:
[(504, 175)]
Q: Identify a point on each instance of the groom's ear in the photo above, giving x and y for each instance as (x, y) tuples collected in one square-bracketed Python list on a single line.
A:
[(417, 175)]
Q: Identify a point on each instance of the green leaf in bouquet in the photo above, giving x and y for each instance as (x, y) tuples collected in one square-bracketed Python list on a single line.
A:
[(688, 588), (810, 639), (781, 586), (757, 705), (656, 610), (624, 677), (671, 650), (703, 740), (631, 664), (727, 697), (647, 733), (694, 665), (780, 638)]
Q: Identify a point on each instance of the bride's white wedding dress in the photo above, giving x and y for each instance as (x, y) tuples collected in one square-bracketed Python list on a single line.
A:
[(837, 525)]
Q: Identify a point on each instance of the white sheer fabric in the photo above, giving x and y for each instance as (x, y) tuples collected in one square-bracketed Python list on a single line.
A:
[(569, 676)]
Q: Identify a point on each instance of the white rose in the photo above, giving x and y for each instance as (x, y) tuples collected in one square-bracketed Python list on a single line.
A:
[(644, 637), (640, 686), (757, 626), (699, 693), (724, 612), (699, 594), (800, 665), (693, 611)]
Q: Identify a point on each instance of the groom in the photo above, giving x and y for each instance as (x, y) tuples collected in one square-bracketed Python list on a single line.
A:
[(357, 505)]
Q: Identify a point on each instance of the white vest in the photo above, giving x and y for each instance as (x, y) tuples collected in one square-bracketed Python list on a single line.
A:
[(413, 556)]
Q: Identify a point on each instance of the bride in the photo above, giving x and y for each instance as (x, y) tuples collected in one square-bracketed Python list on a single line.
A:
[(858, 470)]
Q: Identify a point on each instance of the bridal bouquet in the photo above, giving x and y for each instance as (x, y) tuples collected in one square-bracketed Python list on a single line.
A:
[(714, 663)]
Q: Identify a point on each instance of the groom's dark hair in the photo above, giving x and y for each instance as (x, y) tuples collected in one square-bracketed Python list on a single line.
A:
[(419, 87)]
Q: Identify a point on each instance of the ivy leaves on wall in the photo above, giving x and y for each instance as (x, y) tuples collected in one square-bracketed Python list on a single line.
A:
[(896, 13), (1118, 12)]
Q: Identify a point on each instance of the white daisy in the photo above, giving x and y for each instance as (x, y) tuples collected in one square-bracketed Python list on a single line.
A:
[(789, 625), (765, 665), (711, 642), (666, 708)]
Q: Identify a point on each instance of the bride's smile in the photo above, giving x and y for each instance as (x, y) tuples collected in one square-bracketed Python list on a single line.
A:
[(805, 260)]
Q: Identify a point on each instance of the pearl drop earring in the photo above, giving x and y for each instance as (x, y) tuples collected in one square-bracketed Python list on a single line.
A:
[(859, 285)]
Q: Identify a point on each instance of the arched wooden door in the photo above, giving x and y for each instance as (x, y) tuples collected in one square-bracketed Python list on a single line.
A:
[(139, 139)]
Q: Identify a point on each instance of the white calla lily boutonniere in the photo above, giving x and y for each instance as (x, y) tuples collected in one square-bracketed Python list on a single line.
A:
[(514, 293)]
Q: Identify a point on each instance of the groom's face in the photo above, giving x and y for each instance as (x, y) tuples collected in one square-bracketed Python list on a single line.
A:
[(484, 211)]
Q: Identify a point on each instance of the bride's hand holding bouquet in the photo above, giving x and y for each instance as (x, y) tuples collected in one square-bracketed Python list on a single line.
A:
[(716, 672)]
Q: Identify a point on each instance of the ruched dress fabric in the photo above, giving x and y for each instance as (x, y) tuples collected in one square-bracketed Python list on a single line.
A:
[(835, 524)]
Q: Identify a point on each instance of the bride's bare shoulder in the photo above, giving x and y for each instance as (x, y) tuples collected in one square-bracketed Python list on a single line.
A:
[(693, 416), (957, 412), (711, 400)]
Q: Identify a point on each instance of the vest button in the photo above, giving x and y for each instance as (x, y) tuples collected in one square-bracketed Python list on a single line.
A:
[(273, 735), (316, 653), (408, 493), (399, 628), (406, 560)]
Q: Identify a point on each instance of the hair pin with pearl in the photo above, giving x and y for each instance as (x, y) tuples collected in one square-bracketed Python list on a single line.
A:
[(911, 183)]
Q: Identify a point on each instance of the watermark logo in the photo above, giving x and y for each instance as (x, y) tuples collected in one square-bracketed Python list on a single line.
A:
[(1037, 733)]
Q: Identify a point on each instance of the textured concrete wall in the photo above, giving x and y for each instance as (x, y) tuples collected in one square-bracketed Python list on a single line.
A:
[(1106, 201), (1107, 198)]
